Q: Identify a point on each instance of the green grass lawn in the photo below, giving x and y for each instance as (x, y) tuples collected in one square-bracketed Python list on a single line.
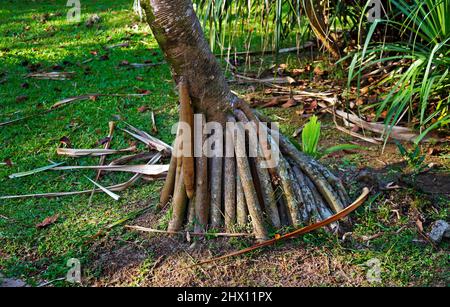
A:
[(37, 34), (26, 40)]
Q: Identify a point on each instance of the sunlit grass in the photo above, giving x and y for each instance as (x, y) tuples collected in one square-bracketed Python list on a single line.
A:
[(33, 142)]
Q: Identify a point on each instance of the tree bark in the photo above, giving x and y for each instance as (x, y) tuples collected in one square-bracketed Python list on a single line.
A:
[(180, 36)]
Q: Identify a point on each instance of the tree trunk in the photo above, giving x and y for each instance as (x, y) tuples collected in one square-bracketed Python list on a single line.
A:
[(180, 36), (234, 190)]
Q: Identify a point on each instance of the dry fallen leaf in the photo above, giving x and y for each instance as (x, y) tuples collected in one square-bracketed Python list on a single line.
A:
[(296, 72), (8, 162), (275, 101), (359, 102), (21, 98), (419, 225), (143, 91), (143, 109), (355, 128), (364, 90), (318, 71), (66, 141), (48, 221), (290, 103)]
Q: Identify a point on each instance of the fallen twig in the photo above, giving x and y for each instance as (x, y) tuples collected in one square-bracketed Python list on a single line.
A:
[(13, 121), (50, 282), (128, 217), (65, 102), (357, 135), (147, 139), (270, 81), (219, 234), (358, 202), (154, 128), (394, 132), (91, 96)]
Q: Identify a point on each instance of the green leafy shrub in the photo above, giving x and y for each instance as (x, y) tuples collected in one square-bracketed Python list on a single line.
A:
[(420, 83)]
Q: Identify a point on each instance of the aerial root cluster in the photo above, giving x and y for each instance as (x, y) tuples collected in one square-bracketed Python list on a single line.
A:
[(231, 192)]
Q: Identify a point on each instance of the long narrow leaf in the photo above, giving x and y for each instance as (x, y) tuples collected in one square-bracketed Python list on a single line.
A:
[(113, 195), (71, 152), (35, 171), (150, 170)]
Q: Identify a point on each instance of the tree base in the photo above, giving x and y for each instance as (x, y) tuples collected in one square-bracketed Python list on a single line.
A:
[(229, 192)]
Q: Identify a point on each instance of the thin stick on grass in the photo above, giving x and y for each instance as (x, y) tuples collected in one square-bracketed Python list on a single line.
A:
[(154, 128), (65, 102), (214, 234)]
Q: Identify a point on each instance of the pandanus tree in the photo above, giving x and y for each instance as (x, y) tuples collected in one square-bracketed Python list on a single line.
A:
[(225, 190)]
